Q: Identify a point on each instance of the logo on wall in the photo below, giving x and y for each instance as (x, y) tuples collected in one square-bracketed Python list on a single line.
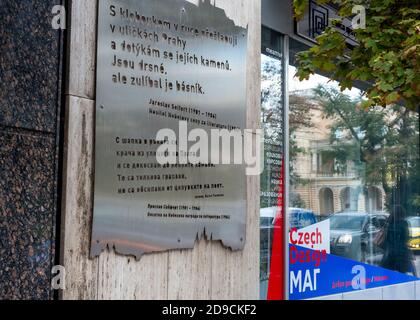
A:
[(317, 18)]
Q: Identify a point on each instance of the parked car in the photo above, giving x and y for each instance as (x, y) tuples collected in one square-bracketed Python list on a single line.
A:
[(301, 218), (298, 217), (352, 234), (414, 227)]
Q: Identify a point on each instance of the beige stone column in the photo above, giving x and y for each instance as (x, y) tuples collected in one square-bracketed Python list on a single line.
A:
[(337, 199), (361, 204), (209, 271)]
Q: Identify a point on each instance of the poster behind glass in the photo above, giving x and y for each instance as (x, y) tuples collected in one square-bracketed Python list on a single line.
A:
[(355, 190)]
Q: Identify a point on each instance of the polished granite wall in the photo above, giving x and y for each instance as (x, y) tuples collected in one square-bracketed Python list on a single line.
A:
[(30, 103)]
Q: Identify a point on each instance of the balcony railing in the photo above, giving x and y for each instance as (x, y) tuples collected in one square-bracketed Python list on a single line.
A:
[(329, 174)]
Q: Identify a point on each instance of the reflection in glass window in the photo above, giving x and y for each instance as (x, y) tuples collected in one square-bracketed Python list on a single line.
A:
[(414, 222), (359, 170), (346, 222), (272, 106)]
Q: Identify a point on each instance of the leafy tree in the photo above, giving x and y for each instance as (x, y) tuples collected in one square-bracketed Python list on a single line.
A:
[(296, 200), (382, 142), (272, 101), (272, 112), (299, 117), (272, 122), (388, 54)]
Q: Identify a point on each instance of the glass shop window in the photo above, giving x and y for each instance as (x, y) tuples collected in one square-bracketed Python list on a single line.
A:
[(358, 172), (272, 178)]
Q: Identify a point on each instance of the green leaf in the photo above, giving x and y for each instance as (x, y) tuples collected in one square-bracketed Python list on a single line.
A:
[(389, 54), (392, 97)]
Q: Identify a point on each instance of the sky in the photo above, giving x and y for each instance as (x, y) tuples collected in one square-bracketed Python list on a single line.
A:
[(314, 80)]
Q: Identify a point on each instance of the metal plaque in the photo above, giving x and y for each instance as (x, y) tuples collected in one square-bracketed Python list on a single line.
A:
[(175, 65)]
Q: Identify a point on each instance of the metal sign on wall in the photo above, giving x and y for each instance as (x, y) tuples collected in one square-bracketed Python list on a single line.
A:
[(159, 64)]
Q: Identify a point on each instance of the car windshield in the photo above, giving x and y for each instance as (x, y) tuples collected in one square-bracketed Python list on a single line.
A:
[(301, 219), (346, 222), (266, 221), (414, 222)]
